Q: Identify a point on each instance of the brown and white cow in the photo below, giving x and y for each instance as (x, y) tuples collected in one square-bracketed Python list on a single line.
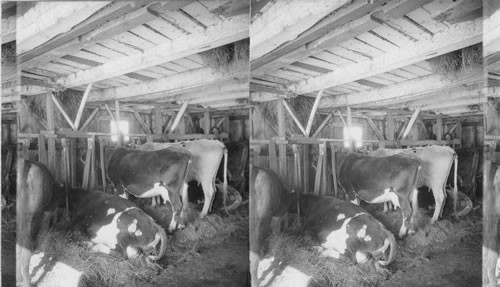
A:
[(37, 193), (207, 155), (436, 165), (116, 226), (381, 179), (269, 203), (151, 173), (346, 230)]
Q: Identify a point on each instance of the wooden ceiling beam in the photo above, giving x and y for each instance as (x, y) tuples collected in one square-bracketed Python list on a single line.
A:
[(173, 84), (421, 85), (456, 37), (61, 23), (229, 31), (285, 20)]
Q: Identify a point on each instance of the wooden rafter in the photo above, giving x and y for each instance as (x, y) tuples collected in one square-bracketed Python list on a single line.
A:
[(229, 31), (456, 37), (175, 84), (374, 127), (422, 85)]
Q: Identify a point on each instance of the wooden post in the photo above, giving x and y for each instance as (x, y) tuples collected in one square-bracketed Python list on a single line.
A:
[(226, 126), (51, 142), (182, 126), (297, 179), (103, 166), (334, 169), (256, 155), (349, 129), (206, 122), (88, 163), (273, 160), (439, 128), (458, 131), (72, 160), (117, 122), (307, 164), (157, 120), (313, 112), (390, 127), (282, 148), (66, 171), (42, 151), (319, 170), (324, 181), (411, 122), (26, 145)]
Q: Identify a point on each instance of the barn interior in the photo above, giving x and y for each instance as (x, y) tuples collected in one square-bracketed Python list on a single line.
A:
[(332, 77), (99, 74)]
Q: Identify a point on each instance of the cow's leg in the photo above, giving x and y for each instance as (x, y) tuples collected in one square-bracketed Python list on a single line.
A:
[(23, 262), (355, 200), (407, 213), (439, 198), (254, 267), (209, 192)]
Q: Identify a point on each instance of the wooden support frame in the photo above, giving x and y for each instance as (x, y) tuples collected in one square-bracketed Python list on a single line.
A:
[(313, 112), (82, 106), (439, 128), (320, 170), (341, 118), (178, 117), (374, 127), (61, 109), (411, 122), (51, 142), (273, 159), (102, 165), (89, 119), (157, 120), (334, 169), (294, 117), (322, 125), (206, 122), (141, 122), (109, 112), (349, 128)]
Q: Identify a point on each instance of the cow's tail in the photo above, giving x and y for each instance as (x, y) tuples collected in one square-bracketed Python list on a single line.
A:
[(455, 188), (224, 189), (163, 244), (392, 249)]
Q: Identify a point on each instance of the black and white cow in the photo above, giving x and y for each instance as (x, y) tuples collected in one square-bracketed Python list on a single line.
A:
[(151, 173), (381, 179), (116, 226), (346, 230)]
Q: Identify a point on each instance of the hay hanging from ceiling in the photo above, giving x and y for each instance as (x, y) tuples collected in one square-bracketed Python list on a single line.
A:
[(458, 60), (70, 101), (9, 53), (222, 57), (302, 107)]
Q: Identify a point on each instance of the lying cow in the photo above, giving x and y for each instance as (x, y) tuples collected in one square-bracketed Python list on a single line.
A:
[(436, 165), (151, 173), (207, 155), (116, 226), (269, 203), (38, 193), (346, 230), (377, 180)]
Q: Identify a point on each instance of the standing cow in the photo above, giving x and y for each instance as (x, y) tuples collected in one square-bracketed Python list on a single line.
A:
[(346, 230), (38, 193), (269, 203), (436, 165), (151, 173), (207, 155), (381, 179), (116, 226)]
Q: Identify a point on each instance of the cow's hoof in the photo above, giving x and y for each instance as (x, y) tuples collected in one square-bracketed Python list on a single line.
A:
[(411, 231), (181, 226)]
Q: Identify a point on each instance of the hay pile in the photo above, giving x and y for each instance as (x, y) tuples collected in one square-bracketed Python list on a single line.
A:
[(301, 105), (9, 53), (220, 58), (60, 246), (294, 252), (458, 60)]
